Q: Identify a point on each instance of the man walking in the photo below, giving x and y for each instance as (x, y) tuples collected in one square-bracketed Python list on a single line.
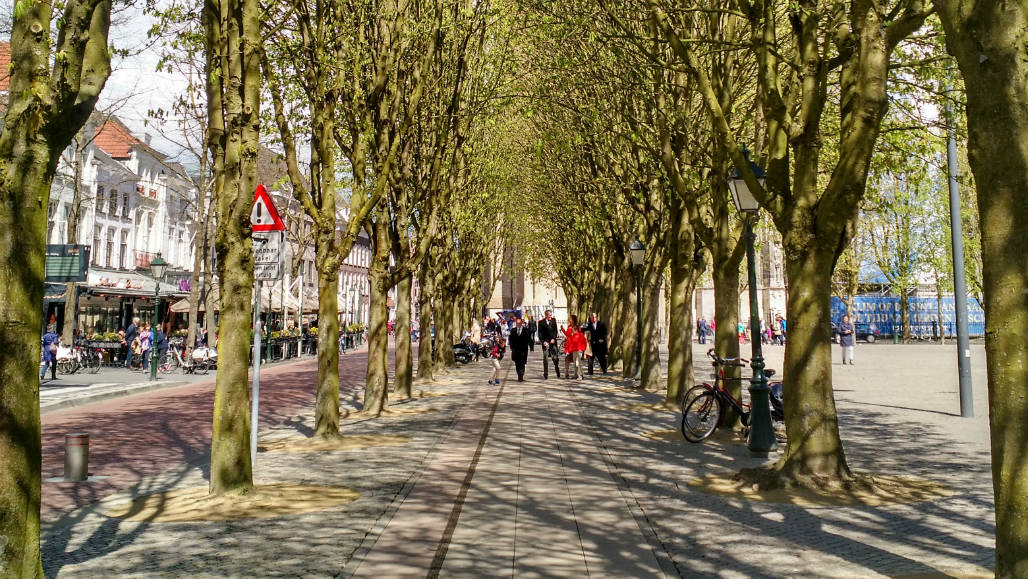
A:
[(131, 333), (702, 329), (532, 329), (548, 339), (847, 340), (518, 340), (598, 341)]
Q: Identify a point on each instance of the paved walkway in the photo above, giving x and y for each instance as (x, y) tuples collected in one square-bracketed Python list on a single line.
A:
[(563, 478)]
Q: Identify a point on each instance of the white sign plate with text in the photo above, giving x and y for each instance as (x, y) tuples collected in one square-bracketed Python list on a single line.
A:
[(267, 255)]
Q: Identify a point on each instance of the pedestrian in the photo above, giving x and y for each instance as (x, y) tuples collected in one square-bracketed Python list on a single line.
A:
[(598, 342), (136, 347), (548, 340), (776, 331), (496, 355), (50, 342), (847, 340), (785, 331), (532, 329), (144, 343), (574, 348), (741, 329), (702, 328), (161, 346), (519, 338), (131, 334)]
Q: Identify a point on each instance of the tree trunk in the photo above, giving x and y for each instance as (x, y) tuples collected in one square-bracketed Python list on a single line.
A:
[(232, 35), (651, 375), (726, 319), (680, 374), (24, 191), (326, 407), (426, 363), (905, 314), (629, 327), (70, 311), (403, 375), (815, 447), (376, 390), (988, 40)]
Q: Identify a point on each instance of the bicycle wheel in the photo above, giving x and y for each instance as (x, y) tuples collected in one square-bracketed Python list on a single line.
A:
[(700, 418), (93, 363), (201, 366), (692, 393), (66, 366)]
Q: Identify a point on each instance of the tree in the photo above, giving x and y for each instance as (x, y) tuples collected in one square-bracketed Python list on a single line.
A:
[(53, 90), (988, 40), (825, 53), (232, 40)]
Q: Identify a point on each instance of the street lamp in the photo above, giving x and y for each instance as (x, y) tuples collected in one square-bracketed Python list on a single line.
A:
[(638, 253), (762, 434), (158, 267), (353, 303)]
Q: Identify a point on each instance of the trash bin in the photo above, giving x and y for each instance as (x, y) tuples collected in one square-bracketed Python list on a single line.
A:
[(76, 457)]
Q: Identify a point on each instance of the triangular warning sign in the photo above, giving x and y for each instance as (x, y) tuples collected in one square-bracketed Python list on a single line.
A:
[(264, 216)]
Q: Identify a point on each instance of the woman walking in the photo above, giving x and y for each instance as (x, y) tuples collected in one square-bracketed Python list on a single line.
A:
[(574, 348), (497, 354)]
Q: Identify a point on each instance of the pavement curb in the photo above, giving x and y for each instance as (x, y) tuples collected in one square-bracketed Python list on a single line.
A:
[(126, 390)]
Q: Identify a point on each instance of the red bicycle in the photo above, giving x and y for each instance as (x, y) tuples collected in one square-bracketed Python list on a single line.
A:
[(703, 405)]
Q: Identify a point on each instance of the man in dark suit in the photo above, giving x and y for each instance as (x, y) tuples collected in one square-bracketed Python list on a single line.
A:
[(131, 332), (548, 339), (532, 329), (598, 340), (518, 341)]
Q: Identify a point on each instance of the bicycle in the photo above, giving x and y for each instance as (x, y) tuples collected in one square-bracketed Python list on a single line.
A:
[(89, 358), (197, 362), (703, 405)]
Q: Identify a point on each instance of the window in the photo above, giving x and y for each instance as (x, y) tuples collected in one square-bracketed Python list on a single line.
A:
[(125, 205), (96, 246), (100, 201), (123, 255), (112, 201), (109, 261)]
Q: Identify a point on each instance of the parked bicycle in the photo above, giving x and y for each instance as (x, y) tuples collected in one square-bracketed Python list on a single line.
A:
[(198, 362), (704, 405), (72, 359)]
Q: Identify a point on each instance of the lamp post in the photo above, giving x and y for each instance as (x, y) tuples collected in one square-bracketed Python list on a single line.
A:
[(353, 303), (158, 267), (762, 434), (638, 253)]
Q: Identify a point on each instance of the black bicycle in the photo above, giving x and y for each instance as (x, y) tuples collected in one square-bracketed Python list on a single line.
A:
[(704, 405)]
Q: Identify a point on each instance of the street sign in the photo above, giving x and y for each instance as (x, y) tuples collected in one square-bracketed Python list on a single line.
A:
[(264, 216), (66, 263), (267, 255)]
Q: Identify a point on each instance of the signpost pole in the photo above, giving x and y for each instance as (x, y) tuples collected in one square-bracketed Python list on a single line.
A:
[(255, 398)]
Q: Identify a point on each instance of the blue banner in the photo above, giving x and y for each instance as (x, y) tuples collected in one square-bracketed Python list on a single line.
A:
[(884, 312)]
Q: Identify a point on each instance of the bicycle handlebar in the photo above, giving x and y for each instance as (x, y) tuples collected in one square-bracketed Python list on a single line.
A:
[(719, 361)]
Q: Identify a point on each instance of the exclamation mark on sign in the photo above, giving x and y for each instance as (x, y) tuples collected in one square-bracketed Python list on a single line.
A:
[(259, 217)]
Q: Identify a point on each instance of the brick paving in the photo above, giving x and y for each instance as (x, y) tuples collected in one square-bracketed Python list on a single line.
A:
[(554, 478)]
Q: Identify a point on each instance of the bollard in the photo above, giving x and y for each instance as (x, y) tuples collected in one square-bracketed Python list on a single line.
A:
[(76, 457)]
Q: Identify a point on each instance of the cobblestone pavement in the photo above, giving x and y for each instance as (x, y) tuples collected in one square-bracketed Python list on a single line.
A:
[(554, 478)]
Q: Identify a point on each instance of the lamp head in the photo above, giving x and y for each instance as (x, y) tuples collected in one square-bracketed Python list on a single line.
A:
[(743, 198), (158, 267), (638, 252)]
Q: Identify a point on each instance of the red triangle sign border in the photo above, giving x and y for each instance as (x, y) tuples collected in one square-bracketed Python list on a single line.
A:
[(261, 196)]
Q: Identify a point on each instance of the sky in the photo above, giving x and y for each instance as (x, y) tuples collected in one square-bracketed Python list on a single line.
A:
[(134, 86)]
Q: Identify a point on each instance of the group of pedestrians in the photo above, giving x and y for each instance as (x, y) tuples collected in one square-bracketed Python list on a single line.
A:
[(138, 340), (581, 342)]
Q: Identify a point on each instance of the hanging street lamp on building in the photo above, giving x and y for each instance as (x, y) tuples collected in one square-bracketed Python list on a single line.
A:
[(762, 433)]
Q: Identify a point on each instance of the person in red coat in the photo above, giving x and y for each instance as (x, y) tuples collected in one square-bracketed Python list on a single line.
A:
[(574, 347)]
